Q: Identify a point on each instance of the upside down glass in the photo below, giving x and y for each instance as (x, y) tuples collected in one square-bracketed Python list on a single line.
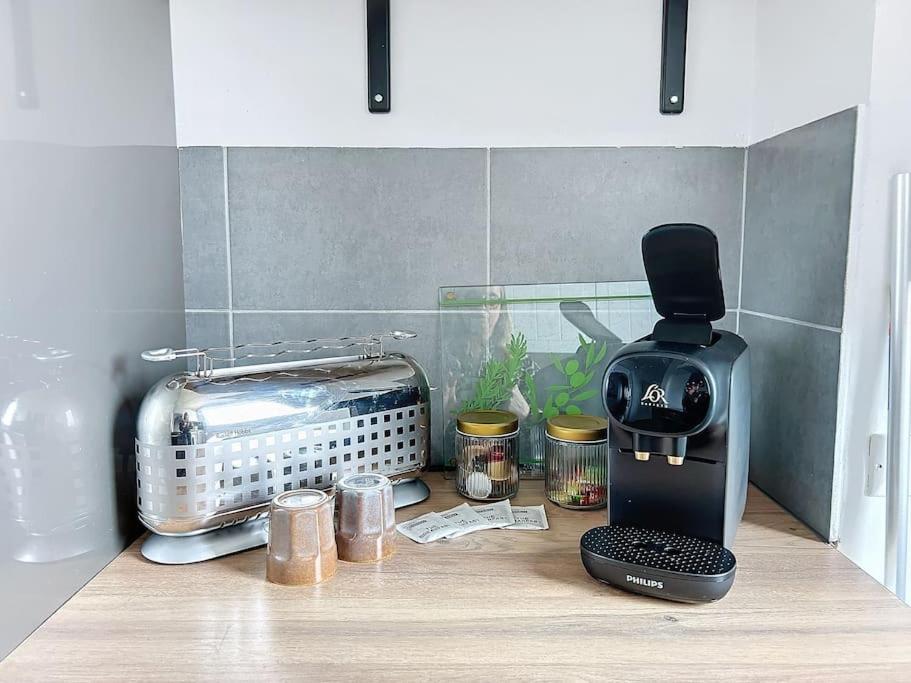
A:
[(301, 549), (366, 518)]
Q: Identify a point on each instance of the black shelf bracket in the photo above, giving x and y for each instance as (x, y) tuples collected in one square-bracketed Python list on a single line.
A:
[(673, 56), (378, 56)]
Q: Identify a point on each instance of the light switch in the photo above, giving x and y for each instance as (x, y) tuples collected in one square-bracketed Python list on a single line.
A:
[(875, 469)]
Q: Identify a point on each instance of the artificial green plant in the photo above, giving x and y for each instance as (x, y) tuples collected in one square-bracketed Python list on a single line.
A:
[(499, 377), (565, 397)]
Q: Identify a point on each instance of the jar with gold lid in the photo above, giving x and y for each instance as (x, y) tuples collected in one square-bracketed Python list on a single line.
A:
[(575, 461), (487, 454)]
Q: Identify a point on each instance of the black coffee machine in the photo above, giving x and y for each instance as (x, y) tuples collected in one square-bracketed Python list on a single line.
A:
[(679, 400)]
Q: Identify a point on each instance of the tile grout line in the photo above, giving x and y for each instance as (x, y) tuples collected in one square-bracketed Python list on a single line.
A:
[(248, 311), (224, 168), (743, 223), (793, 321), (242, 311), (434, 311), (487, 173), (183, 253)]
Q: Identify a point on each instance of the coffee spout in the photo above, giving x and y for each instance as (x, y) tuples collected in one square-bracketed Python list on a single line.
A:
[(672, 447)]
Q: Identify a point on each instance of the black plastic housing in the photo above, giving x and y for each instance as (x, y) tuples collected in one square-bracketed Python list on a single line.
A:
[(660, 564), (706, 495), (682, 265), (679, 400)]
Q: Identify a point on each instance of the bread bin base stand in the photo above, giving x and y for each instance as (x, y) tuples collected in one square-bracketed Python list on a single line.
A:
[(252, 534)]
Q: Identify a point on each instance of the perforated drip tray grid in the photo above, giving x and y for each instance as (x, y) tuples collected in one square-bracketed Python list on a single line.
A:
[(196, 482), (661, 564), (658, 549)]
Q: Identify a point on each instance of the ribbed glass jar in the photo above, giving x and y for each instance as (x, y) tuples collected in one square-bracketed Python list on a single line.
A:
[(575, 461), (487, 454)]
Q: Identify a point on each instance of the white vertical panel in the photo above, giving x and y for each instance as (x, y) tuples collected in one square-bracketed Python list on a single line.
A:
[(898, 463)]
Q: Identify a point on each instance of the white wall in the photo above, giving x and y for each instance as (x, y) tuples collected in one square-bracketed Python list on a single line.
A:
[(109, 57), (884, 138), (464, 73), (812, 59), (512, 72)]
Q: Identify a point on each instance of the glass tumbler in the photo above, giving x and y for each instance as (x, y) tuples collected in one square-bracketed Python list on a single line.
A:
[(301, 549), (575, 461), (487, 454), (366, 518)]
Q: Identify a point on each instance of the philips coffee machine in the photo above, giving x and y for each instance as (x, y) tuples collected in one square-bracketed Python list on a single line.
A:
[(679, 407), (679, 399)]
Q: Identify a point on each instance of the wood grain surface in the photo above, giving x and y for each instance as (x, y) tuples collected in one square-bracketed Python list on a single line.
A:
[(494, 605)]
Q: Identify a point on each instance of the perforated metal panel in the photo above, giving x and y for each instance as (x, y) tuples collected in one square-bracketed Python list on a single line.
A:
[(186, 489)]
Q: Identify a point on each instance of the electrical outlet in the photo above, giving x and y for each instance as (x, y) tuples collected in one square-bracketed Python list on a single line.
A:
[(875, 470)]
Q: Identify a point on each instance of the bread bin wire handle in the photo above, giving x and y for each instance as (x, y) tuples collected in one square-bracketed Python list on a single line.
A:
[(371, 345)]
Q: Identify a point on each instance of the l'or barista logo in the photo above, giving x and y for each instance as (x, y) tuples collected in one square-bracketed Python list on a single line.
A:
[(648, 583), (654, 397)]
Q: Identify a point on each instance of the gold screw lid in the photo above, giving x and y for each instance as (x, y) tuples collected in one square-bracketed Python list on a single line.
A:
[(487, 423), (578, 428)]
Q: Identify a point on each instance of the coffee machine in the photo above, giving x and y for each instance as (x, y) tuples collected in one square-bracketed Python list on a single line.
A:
[(679, 400)]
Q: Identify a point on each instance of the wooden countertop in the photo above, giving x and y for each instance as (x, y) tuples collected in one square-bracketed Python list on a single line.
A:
[(490, 605)]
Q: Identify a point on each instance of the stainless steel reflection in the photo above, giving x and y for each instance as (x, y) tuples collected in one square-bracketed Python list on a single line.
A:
[(47, 472), (214, 446)]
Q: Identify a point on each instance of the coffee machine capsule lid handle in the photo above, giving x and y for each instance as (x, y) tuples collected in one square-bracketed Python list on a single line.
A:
[(684, 273)]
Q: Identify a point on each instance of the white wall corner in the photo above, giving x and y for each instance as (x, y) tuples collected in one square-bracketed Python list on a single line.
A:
[(812, 59), (847, 365)]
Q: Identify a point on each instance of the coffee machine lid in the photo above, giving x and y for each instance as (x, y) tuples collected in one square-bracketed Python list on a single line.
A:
[(684, 273)]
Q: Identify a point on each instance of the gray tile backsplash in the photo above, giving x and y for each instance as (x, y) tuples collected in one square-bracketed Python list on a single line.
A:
[(798, 211), (207, 329), (578, 215), (330, 242), (796, 221), (795, 389), (202, 214), (728, 322), (355, 228)]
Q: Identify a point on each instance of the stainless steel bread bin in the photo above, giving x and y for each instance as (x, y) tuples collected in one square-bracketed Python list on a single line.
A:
[(214, 445)]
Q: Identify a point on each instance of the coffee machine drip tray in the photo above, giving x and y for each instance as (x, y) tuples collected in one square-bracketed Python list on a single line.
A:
[(658, 563)]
